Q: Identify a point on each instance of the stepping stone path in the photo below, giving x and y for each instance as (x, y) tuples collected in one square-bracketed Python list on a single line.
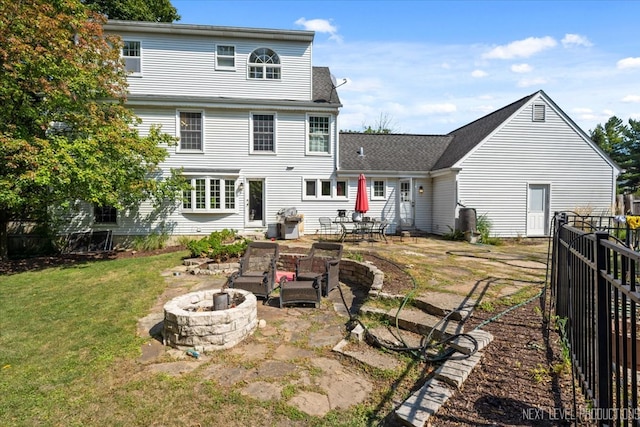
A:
[(289, 348)]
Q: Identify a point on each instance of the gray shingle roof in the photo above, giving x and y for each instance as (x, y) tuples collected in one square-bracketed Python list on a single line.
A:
[(391, 152), (323, 89), (420, 153)]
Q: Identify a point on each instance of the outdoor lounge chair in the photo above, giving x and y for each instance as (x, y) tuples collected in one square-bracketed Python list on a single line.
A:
[(257, 273), (322, 264)]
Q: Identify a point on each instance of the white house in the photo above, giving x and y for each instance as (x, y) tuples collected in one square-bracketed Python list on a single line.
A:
[(258, 129), (515, 166)]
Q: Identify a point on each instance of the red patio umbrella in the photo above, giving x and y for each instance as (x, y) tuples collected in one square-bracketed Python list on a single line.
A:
[(362, 202)]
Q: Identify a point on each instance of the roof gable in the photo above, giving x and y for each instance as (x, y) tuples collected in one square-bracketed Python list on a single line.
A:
[(467, 137)]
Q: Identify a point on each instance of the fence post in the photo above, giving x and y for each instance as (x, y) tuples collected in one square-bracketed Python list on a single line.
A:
[(554, 280), (603, 328)]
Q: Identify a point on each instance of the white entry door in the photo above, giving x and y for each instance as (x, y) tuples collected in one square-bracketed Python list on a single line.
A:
[(538, 210), (255, 203), (406, 204)]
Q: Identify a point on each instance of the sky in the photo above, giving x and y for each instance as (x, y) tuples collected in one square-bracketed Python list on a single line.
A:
[(429, 67)]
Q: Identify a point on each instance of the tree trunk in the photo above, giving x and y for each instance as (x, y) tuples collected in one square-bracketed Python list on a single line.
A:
[(4, 240)]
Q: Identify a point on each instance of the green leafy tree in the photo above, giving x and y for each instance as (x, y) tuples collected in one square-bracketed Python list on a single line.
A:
[(65, 133), (622, 143), (135, 10)]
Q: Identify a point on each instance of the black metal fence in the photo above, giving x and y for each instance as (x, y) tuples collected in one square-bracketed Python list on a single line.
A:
[(595, 287)]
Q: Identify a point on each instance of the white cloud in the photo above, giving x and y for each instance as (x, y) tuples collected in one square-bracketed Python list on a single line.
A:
[(521, 48), (571, 40), (628, 63), (538, 81), (479, 74), (521, 68), (484, 109), (320, 26), (631, 98)]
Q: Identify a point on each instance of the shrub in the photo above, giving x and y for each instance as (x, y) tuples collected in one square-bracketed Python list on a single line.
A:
[(219, 245), (457, 235), (150, 242)]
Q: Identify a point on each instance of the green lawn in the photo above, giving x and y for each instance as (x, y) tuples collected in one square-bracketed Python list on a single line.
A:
[(68, 350)]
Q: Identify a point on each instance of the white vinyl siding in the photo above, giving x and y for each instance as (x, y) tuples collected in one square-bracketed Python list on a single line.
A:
[(444, 203), (197, 75), (226, 149), (494, 178)]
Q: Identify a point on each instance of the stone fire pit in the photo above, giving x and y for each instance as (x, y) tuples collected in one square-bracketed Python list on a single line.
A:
[(190, 320)]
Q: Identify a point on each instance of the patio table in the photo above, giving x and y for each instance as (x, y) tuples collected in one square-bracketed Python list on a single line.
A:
[(357, 229)]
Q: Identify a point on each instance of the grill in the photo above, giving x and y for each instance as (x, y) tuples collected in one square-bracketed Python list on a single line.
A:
[(288, 222)]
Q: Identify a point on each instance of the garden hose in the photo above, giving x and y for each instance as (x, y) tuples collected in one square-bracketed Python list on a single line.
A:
[(427, 343)]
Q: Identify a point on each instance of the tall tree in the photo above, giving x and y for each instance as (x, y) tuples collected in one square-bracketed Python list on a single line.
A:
[(622, 143), (65, 133), (135, 10)]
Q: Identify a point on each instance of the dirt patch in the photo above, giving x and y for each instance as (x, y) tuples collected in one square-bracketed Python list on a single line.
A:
[(521, 379), (14, 266)]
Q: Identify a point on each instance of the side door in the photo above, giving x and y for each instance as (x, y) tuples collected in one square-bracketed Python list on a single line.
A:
[(538, 210), (406, 204), (255, 202)]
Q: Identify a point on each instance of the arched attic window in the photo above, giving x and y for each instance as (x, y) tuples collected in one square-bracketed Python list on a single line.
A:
[(264, 63)]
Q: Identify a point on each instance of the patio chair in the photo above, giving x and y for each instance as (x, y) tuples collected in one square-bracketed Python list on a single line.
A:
[(326, 227), (322, 264), (257, 273), (382, 228)]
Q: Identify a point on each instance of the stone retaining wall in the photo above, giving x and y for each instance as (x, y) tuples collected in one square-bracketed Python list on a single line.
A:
[(364, 274), (353, 272)]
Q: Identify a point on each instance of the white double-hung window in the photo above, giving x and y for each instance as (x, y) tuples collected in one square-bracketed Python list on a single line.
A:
[(225, 57), (132, 54), (318, 134), (191, 128)]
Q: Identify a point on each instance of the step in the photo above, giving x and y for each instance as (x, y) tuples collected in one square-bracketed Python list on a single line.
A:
[(417, 321), (464, 345), (441, 304), (367, 355), (423, 403)]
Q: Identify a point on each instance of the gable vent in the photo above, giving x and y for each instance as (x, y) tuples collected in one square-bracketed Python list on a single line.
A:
[(538, 112)]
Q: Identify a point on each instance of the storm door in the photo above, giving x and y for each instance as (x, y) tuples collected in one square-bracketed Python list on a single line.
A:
[(255, 202), (538, 210), (406, 204)]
